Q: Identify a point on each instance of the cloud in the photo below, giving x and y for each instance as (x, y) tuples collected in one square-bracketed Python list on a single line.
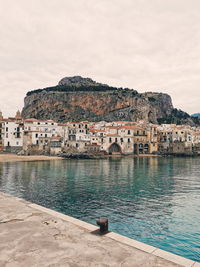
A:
[(141, 44)]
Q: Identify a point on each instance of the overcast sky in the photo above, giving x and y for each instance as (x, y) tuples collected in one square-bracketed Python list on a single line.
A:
[(148, 45)]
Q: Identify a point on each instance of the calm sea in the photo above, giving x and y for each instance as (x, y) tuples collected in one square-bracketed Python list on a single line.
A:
[(153, 200)]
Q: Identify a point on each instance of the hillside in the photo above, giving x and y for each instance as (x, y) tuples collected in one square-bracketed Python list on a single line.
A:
[(196, 115), (76, 98)]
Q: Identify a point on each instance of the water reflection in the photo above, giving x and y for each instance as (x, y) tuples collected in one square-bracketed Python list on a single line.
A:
[(155, 200)]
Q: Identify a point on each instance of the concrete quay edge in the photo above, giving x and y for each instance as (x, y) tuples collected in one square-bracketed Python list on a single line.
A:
[(119, 238)]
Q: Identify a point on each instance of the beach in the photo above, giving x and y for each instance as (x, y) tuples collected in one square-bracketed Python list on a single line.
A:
[(14, 158)]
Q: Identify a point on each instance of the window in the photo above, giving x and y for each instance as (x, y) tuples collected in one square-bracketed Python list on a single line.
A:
[(110, 140), (116, 140), (45, 135), (121, 140), (36, 135), (129, 132), (6, 129), (129, 140)]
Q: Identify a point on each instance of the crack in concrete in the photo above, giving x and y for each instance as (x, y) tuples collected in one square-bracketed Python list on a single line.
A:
[(12, 221)]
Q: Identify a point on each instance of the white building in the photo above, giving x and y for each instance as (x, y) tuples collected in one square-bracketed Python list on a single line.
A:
[(13, 134)]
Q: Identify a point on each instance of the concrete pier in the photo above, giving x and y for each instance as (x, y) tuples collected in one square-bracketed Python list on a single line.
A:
[(31, 235)]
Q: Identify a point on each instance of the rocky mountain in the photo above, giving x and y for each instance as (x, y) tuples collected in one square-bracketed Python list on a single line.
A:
[(76, 99)]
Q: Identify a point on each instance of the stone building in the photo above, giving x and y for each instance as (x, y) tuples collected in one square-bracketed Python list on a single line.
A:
[(2, 126)]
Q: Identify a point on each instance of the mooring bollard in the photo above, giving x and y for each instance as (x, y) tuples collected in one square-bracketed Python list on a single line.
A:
[(103, 223)]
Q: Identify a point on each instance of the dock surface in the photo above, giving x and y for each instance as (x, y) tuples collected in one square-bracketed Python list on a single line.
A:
[(31, 235)]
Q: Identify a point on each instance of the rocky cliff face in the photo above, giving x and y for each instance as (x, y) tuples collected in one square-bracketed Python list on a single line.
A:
[(76, 99)]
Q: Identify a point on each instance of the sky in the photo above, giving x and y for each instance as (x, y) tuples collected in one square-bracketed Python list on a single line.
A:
[(147, 45)]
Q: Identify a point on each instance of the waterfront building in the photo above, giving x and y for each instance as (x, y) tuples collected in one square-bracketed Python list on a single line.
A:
[(32, 136), (175, 139), (38, 134), (13, 134), (78, 136), (2, 125)]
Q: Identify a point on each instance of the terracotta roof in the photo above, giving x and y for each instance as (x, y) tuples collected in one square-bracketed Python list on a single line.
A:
[(55, 137), (97, 131), (32, 120), (131, 127), (196, 134), (114, 135)]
